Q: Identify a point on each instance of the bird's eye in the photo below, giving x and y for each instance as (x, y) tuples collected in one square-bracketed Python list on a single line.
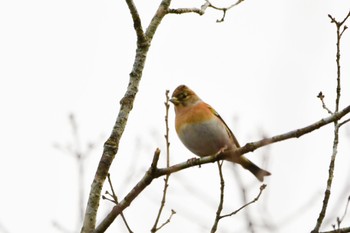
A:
[(182, 96)]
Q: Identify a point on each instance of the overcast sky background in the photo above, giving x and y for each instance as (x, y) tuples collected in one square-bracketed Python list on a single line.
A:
[(261, 70)]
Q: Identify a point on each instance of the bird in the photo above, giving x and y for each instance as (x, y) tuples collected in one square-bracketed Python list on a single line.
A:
[(202, 130)]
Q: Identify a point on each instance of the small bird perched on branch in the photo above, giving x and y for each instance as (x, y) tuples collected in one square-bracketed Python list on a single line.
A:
[(204, 132)]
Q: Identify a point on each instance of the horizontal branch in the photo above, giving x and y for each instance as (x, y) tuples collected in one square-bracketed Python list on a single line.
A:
[(200, 11), (185, 10), (250, 147), (153, 172), (341, 230)]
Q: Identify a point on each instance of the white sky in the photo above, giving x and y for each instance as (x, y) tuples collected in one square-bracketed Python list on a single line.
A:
[(261, 69)]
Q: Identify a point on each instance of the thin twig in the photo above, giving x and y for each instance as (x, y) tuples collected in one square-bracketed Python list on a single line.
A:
[(262, 187), (115, 198), (224, 9), (327, 193), (344, 122), (168, 220), (139, 187), (340, 32), (166, 180), (321, 97), (221, 202), (201, 11), (340, 220)]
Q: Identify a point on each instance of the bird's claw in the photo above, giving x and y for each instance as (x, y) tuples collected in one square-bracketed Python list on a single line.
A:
[(222, 150)]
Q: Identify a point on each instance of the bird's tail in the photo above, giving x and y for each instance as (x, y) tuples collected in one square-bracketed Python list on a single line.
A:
[(250, 166)]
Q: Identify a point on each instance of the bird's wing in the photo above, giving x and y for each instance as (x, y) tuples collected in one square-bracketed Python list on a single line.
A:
[(234, 139)]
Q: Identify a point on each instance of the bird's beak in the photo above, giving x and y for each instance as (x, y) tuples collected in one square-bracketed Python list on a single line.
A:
[(174, 100)]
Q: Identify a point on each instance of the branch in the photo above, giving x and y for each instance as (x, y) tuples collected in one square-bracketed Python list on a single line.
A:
[(115, 200), (224, 9), (179, 11), (340, 32), (167, 221), (139, 187), (137, 21), (341, 219), (166, 180), (344, 122), (154, 172), (327, 193), (324, 106), (157, 18), (262, 187), (111, 146), (249, 147), (221, 202), (203, 8), (341, 230)]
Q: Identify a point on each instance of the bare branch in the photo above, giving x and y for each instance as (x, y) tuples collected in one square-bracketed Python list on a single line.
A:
[(137, 21), (139, 187), (341, 230), (115, 198), (344, 122), (157, 18), (340, 32), (262, 187), (111, 146), (321, 97), (179, 11), (341, 219), (154, 172), (168, 220), (166, 180), (327, 193), (224, 9), (221, 202), (201, 11)]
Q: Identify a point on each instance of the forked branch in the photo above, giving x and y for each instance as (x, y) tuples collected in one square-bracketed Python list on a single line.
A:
[(154, 172)]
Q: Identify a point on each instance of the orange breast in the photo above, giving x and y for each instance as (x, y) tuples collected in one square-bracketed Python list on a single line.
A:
[(192, 115)]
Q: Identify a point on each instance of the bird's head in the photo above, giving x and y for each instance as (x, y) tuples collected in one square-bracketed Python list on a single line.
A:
[(183, 96)]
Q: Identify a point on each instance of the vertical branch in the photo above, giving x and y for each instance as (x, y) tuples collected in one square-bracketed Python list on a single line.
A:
[(327, 194), (340, 31), (221, 202), (167, 142), (111, 146), (166, 179), (157, 18)]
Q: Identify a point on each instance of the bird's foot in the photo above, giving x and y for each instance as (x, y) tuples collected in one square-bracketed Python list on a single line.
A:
[(222, 150)]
